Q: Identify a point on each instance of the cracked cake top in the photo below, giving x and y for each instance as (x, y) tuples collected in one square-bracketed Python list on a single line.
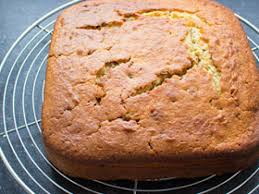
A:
[(132, 80)]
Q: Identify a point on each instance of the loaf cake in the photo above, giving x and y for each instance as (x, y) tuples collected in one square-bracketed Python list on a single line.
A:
[(144, 89)]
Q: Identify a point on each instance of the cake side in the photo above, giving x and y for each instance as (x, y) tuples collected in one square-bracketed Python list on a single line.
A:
[(148, 83)]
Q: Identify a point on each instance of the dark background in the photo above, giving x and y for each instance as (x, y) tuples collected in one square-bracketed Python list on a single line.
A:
[(17, 15)]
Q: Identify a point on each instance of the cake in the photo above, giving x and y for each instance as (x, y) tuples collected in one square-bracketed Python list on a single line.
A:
[(144, 89)]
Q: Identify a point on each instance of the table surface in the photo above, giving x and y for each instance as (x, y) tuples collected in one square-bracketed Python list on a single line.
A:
[(16, 16)]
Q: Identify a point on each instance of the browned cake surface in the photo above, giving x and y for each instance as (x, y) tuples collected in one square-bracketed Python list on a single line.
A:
[(149, 88)]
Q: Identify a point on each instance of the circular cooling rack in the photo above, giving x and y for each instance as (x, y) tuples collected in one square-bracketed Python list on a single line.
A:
[(22, 74)]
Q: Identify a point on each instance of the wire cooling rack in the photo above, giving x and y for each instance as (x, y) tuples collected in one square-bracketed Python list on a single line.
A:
[(22, 74)]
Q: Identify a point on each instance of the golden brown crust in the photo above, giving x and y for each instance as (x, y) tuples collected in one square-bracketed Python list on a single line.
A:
[(149, 82)]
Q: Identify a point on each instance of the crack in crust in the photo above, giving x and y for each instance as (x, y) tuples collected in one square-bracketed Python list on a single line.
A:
[(104, 71), (110, 65), (191, 17), (152, 85), (77, 52), (161, 78), (102, 25), (198, 48), (151, 147)]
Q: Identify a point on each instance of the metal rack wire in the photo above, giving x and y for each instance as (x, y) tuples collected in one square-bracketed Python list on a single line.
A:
[(22, 74)]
